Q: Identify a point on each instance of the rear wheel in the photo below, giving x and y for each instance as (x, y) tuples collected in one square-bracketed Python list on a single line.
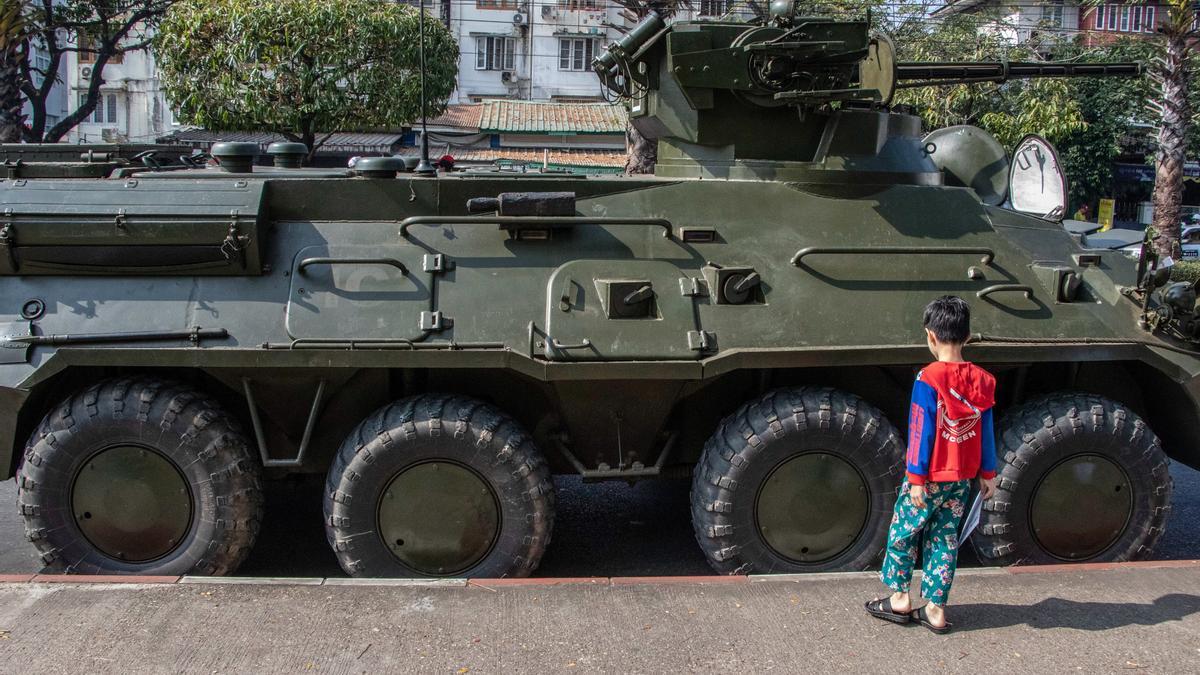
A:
[(800, 480), (1081, 478), (140, 476), (439, 486)]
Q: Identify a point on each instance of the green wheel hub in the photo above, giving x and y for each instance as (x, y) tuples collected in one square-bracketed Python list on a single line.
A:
[(132, 503), (439, 517), (1081, 507), (812, 507)]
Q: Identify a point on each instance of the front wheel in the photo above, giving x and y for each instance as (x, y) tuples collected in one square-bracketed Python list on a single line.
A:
[(439, 486), (800, 480), (1080, 478), (139, 475)]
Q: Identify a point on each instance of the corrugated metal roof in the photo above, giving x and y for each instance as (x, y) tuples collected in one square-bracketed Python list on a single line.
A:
[(503, 115)]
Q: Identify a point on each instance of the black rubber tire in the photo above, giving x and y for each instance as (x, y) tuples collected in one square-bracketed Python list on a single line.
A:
[(452, 428), (1035, 437), (181, 423), (751, 442)]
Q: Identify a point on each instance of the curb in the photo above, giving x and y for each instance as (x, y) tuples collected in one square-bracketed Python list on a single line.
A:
[(494, 584)]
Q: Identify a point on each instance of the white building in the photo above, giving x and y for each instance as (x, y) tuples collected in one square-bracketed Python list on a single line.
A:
[(132, 107), (538, 50), (1020, 21)]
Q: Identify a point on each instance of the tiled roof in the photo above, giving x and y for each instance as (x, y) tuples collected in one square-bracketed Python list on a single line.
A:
[(458, 115), (503, 115), (608, 159)]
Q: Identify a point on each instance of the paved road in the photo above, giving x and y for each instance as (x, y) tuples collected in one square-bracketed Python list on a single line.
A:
[(1120, 620), (603, 529)]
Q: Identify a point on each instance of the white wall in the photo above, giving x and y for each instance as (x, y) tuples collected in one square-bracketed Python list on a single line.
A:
[(142, 112), (1020, 22), (537, 72)]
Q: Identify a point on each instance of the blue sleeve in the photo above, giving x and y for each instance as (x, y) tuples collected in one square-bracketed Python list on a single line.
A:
[(987, 450), (922, 425)]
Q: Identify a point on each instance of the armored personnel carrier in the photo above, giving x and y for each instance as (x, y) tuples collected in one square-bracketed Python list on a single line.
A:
[(439, 346)]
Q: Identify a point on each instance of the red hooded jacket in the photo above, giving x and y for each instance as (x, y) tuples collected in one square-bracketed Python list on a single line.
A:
[(950, 431)]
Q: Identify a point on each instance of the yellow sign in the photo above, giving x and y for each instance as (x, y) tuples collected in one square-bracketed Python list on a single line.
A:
[(1104, 215)]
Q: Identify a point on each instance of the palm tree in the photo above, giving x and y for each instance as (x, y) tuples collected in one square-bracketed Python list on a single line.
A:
[(12, 55), (1171, 71)]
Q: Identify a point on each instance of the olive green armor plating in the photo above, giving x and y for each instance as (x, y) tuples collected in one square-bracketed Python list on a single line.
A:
[(175, 333)]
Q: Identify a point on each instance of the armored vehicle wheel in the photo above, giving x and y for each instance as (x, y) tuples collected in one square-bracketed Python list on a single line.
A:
[(800, 480), (439, 486), (139, 475), (1080, 478)]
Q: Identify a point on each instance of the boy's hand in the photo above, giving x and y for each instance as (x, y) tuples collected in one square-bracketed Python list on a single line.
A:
[(916, 494), (987, 487)]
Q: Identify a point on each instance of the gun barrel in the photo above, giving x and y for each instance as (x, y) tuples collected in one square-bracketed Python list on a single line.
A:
[(916, 74)]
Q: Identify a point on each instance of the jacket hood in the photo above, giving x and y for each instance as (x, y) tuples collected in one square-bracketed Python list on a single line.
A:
[(965, 389)]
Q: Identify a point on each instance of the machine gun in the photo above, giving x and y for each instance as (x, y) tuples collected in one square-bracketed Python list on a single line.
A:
[(802, 61), (698, 86)]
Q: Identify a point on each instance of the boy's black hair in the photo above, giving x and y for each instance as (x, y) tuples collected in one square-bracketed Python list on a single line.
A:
[(949, 317)]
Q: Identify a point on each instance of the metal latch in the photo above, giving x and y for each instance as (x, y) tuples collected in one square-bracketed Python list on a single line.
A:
[(693, 287), (436, 262), (435, 321), (701, 340), (235, 243), (8, 239)]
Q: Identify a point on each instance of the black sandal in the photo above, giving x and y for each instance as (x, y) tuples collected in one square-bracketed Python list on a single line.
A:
[(921, 617), (882, 608)]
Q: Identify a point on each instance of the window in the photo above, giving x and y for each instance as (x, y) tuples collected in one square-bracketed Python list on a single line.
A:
[(1125, 19), (1052, 14), (1136, 25), (713, 7), (86, 43), (1112, 17), (106, 108), (1148, 20), (1100, 17), (495, 53), (574, 53), (579, 5), (496, 4)]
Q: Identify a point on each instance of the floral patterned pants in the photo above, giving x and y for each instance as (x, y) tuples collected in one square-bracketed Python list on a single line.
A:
[(936, 528)]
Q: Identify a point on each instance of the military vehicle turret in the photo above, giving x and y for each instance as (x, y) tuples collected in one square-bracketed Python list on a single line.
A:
[(438, 347)]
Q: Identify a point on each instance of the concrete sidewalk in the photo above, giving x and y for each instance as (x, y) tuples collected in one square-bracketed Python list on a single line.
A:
[(1143, 617)]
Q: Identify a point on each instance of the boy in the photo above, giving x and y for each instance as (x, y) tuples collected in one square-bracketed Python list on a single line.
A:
[(950, 442)]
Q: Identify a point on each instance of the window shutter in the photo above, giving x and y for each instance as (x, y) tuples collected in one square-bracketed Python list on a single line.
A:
[(480, 53), (564, 54)]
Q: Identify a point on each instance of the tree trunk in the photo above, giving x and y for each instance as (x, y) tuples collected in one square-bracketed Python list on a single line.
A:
[(641, 152), (1172, 144), (12, 119)]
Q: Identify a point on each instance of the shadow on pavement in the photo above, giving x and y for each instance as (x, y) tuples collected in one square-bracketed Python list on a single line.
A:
[(1059, 613)]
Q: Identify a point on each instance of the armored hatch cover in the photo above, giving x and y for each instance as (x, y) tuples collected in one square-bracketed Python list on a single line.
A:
[(131, 226)]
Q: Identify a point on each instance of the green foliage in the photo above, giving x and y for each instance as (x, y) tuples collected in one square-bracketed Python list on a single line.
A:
[(1186, 271), (299, 67), (1115, 112)]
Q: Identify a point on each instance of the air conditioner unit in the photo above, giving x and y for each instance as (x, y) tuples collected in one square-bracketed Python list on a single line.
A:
[(518, 19), (547, 12), (507, 76), (85, 73)]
